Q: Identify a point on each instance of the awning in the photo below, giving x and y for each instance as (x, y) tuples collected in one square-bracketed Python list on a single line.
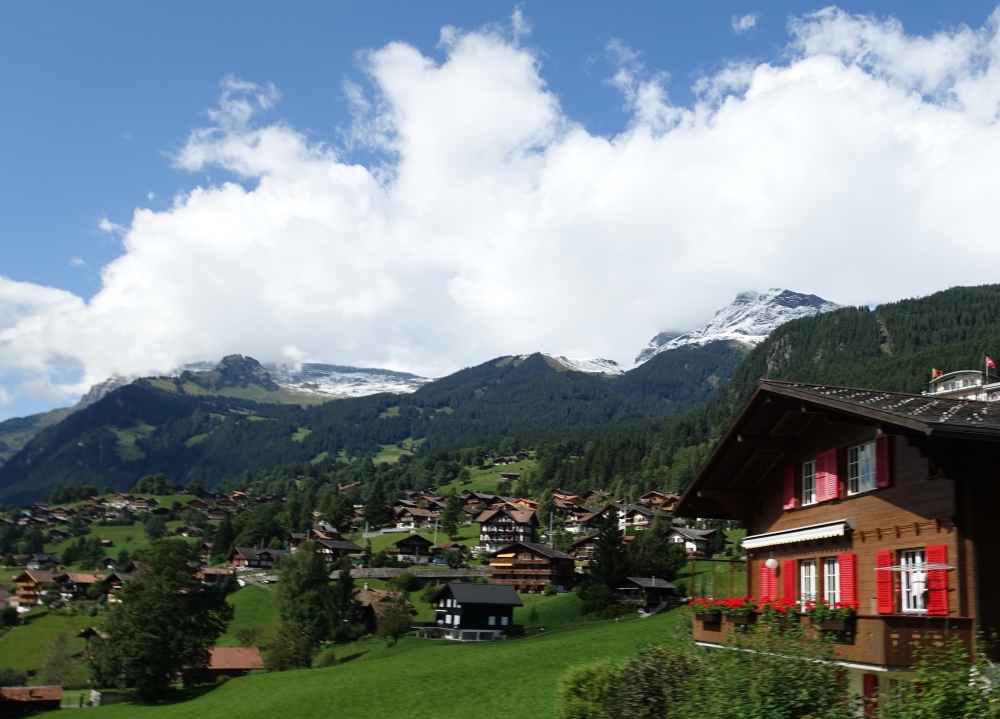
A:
[(800, 534)]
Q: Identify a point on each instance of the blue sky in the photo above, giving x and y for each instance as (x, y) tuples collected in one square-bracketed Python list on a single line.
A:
[(101, 100), (97, 94)]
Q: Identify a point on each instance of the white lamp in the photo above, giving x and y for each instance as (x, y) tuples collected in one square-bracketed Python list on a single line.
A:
[(771, 563)]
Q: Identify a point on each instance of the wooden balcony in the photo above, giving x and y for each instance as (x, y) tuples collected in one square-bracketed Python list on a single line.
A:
[(883, 641)]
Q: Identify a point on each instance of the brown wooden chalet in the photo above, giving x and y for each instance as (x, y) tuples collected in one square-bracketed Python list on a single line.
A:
[(229, 662), (29, 585), (250, 558), (500, 527), (648, 592), (414, 517), (413, 548), (530, 567), (334, 549), (22, 700), (879, 498), (475, 612)]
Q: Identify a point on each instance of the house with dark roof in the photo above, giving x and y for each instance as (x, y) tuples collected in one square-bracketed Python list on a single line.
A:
[(530, 567), (414, 518), (648, 592), (413, 548), (475, 612), (21, 700), (881, 500), (250, 558), (334, 549), (503, 526), (697, 542)]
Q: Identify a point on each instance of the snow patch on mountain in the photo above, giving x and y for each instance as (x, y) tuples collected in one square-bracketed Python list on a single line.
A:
[(336, 381), (590, 365), (749, 319)]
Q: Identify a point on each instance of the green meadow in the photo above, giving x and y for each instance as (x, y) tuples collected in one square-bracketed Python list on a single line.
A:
[(417, 678), (23, 647)]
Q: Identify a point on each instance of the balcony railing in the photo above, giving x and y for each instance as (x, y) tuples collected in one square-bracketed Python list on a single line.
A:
[(881, 640)]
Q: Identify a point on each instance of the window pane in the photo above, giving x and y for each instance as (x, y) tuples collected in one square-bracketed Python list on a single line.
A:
[(831, 581), (809, 483), (914, 581), (807, 580)]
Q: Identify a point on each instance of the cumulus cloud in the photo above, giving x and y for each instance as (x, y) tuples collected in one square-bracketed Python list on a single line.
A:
[(861, 167), (744, 23)]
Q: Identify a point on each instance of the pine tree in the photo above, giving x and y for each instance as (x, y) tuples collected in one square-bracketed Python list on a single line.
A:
[(305, 598), (377, 510), (609, 564), (222, 543), (451, 515)]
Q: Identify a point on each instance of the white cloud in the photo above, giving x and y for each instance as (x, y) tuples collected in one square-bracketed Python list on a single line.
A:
[(76, 262), (861, 168), (744, 23)]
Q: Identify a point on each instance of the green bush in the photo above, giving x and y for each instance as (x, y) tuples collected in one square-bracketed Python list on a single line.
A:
[(327, 657), (549, 590)]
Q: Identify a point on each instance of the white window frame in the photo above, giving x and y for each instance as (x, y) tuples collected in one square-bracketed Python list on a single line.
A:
[(503, 621), (809, 482), (807, 581), (493, 621), (831, 580), (913, 602), (861, 468), (447, 619)]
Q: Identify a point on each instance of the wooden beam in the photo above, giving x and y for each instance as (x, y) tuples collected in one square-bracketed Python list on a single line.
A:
[(766, 442)]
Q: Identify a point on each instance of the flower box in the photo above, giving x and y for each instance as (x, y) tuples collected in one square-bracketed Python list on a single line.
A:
[(842, 624), (708, 617), (741, 619), (786, 620)]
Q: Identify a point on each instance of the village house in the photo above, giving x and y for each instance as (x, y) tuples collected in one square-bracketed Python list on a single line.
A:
[(697, 542), (647, 592), (414, 518), (24, 700), (475, 612), (250, 558), (658, 498), (584, 520), (77, 584), (880, 500), (40, 560), (29, 585), (530, 567), (374, 603), (636, 517), (334, 549), (500, 527), (414, 549), (229, 662)]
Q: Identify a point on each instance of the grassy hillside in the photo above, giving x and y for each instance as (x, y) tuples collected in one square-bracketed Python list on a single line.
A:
[(255, 609), (23, 647), (426, 678)]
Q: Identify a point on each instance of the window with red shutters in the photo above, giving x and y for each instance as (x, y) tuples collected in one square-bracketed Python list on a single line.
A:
[(884, 583), (789, 500), (788, 579), (937, 580), (827, 481), (768, 583), (882, 476), (848, 564)]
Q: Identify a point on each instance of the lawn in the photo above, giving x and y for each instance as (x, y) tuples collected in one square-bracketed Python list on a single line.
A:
[(255, 607), (729, 580), (485, 479), (553, 611), (131, 538), (420, 678), (23, 647)]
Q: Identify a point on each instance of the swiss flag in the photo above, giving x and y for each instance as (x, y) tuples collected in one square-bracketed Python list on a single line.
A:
[(990, 363)]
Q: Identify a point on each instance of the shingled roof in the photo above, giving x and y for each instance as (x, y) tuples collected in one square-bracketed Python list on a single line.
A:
[(779, 412)]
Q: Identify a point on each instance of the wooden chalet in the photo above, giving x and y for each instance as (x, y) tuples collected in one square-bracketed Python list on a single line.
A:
[(475, 612), (76, 584), (882, 499), (29, 585), (414, 518), (24, 700), (658, 498), (697, 542), (413, 548), (250, 558), (500, 527), (648, 592), (530, 567), (374, 603), (229, 662), (585, 520), (334, 549)]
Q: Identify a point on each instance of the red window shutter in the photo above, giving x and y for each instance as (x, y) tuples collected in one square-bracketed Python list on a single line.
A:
[(788, 579), (882, 476), (768, 583), (827, 481), (789, 501), (848, 565), (937, 581), (884, 583)]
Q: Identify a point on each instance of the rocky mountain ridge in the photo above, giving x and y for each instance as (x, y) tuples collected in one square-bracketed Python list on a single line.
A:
[(748, 320)]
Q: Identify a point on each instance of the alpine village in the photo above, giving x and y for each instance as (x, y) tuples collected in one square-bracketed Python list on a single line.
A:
[(798, 524)]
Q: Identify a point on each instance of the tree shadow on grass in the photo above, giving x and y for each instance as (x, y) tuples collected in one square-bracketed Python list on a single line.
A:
[(178, 696), (350, 657)]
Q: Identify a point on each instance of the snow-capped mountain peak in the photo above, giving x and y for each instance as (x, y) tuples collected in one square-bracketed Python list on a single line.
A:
[(749, 319), (590, 365)]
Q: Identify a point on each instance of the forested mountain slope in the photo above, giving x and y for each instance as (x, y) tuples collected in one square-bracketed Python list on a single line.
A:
[(148, 427)]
